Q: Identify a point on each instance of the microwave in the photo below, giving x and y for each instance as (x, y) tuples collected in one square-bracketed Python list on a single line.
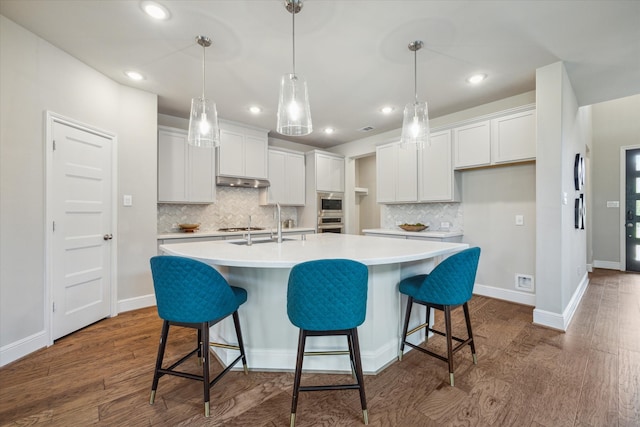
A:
[(330, 204)]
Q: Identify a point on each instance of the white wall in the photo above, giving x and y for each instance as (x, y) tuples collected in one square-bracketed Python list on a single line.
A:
[(34, 77), (563, 130), (616, 124)]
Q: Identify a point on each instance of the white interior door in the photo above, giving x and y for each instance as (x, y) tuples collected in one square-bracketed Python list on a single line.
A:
[(81, 229)]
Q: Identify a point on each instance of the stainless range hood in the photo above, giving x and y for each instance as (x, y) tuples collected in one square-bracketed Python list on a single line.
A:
[(228, 181)]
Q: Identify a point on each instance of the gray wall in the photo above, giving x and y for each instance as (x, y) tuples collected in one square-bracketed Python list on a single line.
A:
[(615, 124), (491, 199), (563, 130), (35, 76), (368, 209)]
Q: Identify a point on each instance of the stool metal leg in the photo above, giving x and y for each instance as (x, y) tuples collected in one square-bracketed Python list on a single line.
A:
[(467, 319), (407, 316), (204, 347), (236, 322), (302, 337), (353, 338), (159, 359), (447, 324)]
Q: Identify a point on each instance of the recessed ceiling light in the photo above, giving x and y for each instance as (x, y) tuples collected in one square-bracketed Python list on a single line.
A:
[(134, 75), (155, 10), (255, 109), (476, 78), (387, 110), (329, 131)]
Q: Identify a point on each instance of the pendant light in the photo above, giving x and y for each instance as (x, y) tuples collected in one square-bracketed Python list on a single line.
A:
[(415, 125), (294, 113), (203, 121)]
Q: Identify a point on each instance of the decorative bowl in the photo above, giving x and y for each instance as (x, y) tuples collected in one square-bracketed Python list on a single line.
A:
[(413, 227), (188, 228)]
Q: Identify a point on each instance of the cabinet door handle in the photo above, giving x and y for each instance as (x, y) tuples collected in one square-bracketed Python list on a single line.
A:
[(107, 236)]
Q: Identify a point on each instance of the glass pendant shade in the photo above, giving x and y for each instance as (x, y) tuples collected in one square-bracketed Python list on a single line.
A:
[(294, 113), (203, 123), (415, 125)]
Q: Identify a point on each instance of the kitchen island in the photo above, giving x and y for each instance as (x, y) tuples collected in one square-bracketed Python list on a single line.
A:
[(263, 270)]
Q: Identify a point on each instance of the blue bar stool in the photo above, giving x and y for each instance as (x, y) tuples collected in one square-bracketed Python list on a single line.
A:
[(192, 294), (448, 286), (328, 297)]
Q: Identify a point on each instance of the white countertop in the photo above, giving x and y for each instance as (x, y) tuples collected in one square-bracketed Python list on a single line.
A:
[(424, 233), (369, 250), (266, 231)]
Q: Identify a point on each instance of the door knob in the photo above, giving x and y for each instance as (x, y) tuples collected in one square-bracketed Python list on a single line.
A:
[(629, 225), (107, 236)]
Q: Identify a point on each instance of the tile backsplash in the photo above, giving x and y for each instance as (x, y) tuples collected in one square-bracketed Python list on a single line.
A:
[(231, 209), (431, 214)]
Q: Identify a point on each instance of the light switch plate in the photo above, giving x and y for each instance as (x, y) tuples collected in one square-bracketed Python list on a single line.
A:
[(519, 219), (127, 200)]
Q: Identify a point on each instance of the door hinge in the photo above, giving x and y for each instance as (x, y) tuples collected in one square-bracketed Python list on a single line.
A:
[(54, 145), (53, 306), (54, 226)]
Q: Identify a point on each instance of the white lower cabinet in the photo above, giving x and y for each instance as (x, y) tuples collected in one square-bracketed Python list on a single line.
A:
[(396, 174), (186, 174), (286, 178)]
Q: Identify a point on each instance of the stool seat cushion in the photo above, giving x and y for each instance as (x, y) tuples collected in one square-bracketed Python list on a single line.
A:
[(411, 285), (450, 283), (240, 295), (191, 291), (327, 295)]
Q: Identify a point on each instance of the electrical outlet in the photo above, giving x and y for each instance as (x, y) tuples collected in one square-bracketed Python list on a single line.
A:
[(444, 225), (519, 219), (127, 200)]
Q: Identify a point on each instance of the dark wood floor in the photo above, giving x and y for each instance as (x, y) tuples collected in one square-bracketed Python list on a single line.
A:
[(526, 376)]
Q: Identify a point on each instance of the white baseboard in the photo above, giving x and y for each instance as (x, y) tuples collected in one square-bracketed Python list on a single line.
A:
[(518, 297), (609, 265), (14, 351), (136, 303), (561, 321)]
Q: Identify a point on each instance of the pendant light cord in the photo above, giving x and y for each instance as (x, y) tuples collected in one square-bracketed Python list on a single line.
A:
[(415, 75), (203, 69), (293, 35)]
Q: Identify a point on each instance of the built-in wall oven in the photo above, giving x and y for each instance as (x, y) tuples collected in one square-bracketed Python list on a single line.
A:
[(330, 213)]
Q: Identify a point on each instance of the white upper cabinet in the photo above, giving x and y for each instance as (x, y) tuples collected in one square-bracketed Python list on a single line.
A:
[(242, 152), (329, 173), (513, 137), (396, 174), (472, 145), (437, 181), (504, 138), (186, 174), (286, 178)]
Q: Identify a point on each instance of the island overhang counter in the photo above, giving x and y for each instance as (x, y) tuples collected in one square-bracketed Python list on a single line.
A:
[(263, 270)]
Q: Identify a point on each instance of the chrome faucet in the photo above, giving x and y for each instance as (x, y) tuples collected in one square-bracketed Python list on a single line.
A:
[(249, 232), (279, 223)]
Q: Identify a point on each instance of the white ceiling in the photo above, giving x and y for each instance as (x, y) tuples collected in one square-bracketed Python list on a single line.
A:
[(353, 53)]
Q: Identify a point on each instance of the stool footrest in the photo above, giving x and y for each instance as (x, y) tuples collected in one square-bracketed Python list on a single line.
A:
[(330, 387), (457, 348)]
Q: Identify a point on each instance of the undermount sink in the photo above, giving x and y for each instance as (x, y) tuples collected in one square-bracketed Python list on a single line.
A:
[(258, 241)]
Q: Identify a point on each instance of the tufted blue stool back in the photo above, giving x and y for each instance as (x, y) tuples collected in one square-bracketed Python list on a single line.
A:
[(451, 282), (191, 291), (328, 294)]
